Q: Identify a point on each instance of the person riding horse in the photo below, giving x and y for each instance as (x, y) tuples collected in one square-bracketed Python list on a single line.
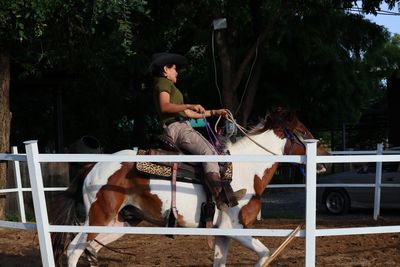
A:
[(110, 188), (174, 116)]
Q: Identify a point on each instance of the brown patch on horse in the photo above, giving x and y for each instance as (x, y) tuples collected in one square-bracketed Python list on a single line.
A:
[(293, 147), (248, 213), (261, 184), (180, 221), (279, 132), (125, 181)]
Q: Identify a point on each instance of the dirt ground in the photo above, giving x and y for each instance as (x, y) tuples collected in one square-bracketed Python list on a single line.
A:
[(21, 248)]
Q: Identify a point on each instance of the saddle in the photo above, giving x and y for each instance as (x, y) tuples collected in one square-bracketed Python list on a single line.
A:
[(188, 172), (185, 172)]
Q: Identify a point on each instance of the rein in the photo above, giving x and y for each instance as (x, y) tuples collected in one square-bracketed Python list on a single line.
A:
[(213, 138)]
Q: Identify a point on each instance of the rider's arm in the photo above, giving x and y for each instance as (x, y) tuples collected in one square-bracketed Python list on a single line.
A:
[(167, 107), (207, 113)]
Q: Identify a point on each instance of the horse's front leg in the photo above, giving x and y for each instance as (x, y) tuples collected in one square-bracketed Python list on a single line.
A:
[(255, 245), (222, 244), (104, 238), (76, 248)]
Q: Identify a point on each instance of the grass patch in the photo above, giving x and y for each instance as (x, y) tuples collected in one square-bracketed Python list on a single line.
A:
[(17, 218)]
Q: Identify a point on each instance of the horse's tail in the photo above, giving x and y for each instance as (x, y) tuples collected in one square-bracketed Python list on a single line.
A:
[(65, 213)]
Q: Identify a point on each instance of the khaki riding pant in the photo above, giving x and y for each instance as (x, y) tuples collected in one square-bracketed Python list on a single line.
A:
[(187, 138)]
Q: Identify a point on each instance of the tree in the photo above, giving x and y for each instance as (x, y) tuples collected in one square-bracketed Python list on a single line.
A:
[(262, 23), (15, 17), (46, 38), (309, 55)]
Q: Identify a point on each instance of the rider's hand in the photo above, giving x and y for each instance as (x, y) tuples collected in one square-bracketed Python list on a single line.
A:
[(198, 108), (221, 112)]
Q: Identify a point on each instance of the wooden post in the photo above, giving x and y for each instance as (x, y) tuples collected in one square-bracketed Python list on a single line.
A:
[(283, 245)]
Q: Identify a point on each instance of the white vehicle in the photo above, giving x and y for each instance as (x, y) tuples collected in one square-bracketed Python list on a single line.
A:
[(338, 200)]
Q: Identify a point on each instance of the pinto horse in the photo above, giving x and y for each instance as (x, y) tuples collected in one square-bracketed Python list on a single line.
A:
[(108, 187)]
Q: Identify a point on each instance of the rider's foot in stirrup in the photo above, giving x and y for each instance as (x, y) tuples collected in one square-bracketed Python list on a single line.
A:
[(224, 205), (240, 194)]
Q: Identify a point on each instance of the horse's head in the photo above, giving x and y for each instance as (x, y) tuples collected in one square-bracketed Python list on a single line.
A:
[(286, 124)]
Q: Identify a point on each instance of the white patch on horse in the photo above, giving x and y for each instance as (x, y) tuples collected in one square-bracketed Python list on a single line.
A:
[(99, 175), (189, 198)]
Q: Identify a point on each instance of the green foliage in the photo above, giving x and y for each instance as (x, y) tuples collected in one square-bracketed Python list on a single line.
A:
[(318, 64), (384, 60), (327, 64)]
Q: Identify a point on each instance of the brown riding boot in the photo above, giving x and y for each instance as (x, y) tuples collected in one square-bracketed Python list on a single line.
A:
[(214, 184)]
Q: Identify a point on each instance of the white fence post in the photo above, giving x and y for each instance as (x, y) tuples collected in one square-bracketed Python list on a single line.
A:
[(39, 203), (18, 182), (378, 183), (311, 196)]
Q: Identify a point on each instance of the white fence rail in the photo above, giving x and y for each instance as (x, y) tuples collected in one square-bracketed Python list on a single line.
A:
[(310, 233)]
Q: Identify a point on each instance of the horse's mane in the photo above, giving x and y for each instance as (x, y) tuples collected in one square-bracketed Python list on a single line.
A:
[(276, 119)]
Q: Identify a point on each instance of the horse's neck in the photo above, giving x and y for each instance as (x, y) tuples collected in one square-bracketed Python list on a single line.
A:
[(268, 140), (243, 173)]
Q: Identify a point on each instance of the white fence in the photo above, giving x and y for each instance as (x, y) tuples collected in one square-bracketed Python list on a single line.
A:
[(310, 233)]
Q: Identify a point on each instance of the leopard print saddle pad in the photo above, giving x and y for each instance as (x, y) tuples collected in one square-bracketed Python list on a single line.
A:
[(187, 172)]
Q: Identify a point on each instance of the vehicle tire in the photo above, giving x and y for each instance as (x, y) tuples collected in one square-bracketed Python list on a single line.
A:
[(336, 201)]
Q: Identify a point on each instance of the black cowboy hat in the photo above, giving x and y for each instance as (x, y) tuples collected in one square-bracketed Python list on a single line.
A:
[(165, 58)]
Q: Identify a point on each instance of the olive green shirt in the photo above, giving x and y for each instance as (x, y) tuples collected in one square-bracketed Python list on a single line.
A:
[(161, 84)]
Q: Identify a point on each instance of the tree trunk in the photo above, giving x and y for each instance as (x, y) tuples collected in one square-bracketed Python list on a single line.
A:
[(228, 93), (393, 96), (5, 120), (232, 76), (251, 91)]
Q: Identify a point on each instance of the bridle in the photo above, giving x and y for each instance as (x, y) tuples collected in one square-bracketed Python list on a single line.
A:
[(293, 138), (297, 138)]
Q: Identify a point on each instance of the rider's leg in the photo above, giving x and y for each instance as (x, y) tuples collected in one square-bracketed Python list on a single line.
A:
[(214, 184), (192, 141)]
